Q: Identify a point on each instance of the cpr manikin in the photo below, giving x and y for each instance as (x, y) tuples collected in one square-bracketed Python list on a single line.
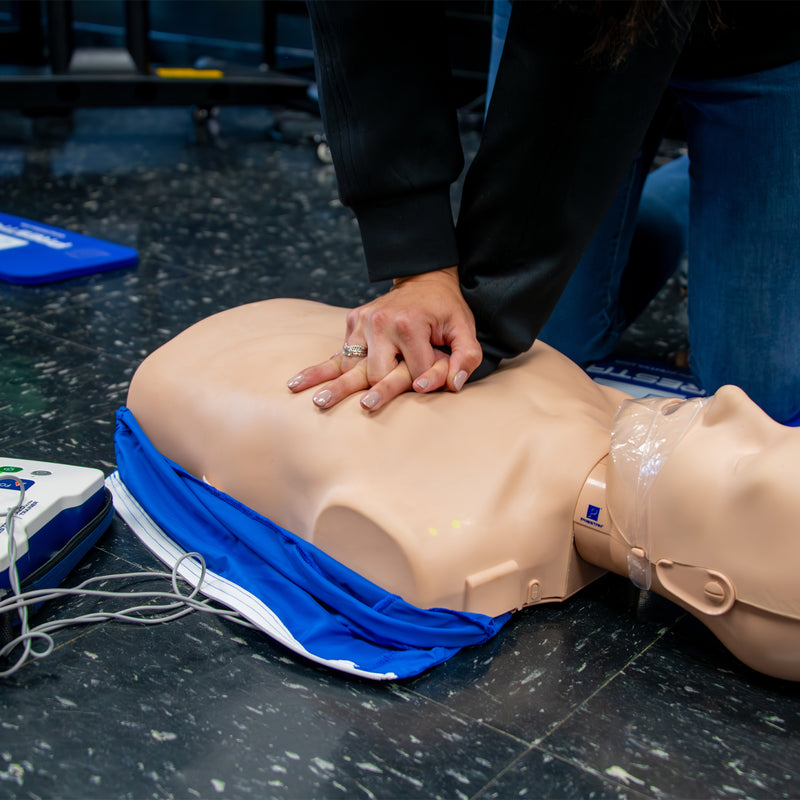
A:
[(521, 490)]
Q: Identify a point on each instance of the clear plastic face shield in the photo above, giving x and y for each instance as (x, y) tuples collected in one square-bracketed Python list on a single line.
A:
[(645, 433)]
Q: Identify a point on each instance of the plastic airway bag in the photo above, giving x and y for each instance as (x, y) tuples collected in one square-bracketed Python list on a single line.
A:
[(332, 614)]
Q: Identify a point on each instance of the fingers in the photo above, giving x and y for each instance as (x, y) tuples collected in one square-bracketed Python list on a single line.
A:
[(391, 335), (335, 391), (355, 338), (355, 380), (395, 383), (465, 357), (341, 385), (319, 373), (346, 375), (399, 381), (356, 347), (444, 374), (403, 333), (397, 339), (433, 378)]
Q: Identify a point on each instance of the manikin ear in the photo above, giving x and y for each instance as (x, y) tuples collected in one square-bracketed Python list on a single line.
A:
[(704, 590)]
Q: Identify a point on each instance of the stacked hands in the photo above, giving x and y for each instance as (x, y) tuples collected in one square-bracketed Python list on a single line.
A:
[(395, 344)]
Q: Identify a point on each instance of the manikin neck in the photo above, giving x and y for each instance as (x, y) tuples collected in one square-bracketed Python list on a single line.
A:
[(597, 539)]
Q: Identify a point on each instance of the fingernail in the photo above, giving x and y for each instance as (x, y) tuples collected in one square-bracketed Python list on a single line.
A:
[(370, 400), (293, 383), (421, 384), (459, 380), (322, 398)]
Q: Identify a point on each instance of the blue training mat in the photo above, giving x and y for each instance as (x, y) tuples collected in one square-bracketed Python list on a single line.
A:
[(643, 378), (32, 252), (334, 615)]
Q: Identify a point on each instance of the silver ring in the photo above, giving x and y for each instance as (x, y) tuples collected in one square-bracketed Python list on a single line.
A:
[(354, 350)]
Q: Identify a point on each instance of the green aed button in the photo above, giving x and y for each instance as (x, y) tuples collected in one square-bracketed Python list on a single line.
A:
[(10, 469)]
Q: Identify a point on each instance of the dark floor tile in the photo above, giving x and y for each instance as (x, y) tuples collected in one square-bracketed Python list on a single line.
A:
[(686, 720), (134, 284), (545, 776), (123, 314), (47, 384), (213, 230), (662, 333), (201, 708), (548, 660), (88, 444)]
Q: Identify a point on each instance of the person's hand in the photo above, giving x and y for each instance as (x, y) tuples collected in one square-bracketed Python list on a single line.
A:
[(391, 345)]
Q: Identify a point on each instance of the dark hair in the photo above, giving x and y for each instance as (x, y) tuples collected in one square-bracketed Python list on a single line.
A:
[(621, 24)]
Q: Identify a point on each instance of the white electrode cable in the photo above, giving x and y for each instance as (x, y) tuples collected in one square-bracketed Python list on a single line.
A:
[(178, 605)]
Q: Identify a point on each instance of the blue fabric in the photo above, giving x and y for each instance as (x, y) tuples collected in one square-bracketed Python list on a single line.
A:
[(332, 611)]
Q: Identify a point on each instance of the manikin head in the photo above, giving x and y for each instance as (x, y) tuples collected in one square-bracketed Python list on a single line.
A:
[(716, 509)]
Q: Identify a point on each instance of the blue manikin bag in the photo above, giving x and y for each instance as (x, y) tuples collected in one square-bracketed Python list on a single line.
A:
[(643, 378), (285, 586), (32, 252)]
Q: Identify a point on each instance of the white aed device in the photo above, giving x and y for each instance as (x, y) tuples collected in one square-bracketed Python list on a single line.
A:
[(64, 511), (50, 517)]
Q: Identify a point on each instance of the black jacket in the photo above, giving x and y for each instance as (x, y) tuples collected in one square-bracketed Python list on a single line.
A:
[(559, 138)]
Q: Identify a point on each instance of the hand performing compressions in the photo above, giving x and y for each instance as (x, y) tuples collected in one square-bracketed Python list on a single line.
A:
[(392, 345)]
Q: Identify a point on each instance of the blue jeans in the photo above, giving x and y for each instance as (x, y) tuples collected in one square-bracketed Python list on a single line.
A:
[(501, 11), (734, 206)]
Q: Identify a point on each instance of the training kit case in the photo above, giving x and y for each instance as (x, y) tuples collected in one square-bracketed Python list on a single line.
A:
[(64, 511), (32, 252)]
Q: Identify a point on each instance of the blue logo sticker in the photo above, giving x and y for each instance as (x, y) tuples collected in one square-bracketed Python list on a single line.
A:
[(593, 512), (11, 483)]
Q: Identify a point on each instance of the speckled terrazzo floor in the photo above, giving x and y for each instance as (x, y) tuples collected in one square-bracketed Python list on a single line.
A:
[(603, 696)]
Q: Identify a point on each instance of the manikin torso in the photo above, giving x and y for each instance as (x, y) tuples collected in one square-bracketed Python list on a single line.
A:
[(466, 505), (468, 502)]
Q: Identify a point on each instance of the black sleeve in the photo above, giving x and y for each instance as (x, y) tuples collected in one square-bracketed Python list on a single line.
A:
[(560, 136), (383, 73)]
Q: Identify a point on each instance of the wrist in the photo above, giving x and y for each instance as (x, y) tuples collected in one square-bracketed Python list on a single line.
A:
[(450, 273)]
